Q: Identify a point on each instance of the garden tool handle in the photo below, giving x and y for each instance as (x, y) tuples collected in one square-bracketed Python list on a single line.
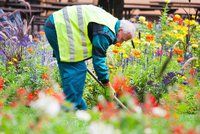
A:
[(120, 103), (115, 98)]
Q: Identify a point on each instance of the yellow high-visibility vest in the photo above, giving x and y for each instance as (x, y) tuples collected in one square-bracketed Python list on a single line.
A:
[(71, 25)]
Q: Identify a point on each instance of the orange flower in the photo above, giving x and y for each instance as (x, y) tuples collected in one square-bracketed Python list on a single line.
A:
[(45, 76), (1, 83), (177, 18), (30, 50), (41, 32), (149, 37), (136, 53), (115, 51), (1, 104), (118, 44), (35, 39), (178, 51), (197, 96), (180, 59), (49, 91), (149, 25)]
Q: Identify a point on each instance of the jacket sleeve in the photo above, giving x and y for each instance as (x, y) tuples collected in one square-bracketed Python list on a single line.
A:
[(100, 45)]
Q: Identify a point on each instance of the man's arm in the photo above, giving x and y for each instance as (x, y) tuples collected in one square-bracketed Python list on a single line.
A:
[(100, 46)]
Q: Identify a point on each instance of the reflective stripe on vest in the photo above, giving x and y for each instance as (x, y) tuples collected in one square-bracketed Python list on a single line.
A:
[(72, 34)]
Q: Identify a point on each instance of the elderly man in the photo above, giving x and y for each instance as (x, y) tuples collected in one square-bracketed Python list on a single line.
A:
[(78, 33)]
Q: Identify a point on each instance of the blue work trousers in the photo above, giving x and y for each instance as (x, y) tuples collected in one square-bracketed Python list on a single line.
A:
[(73, 74)]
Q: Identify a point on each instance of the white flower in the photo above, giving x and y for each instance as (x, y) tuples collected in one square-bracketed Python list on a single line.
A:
[(158, 111), (102, 128), (83, 115), (46, 104), (148, 131)]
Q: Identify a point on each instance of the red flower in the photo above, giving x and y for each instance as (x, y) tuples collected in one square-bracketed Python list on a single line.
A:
[(178, 130), (59, 97), (192, 71), (150, 102), (13, 104), (100, 106), (153, 100), (30, 96), (1, 83), (120, 85), (109, 111), (21, 91)]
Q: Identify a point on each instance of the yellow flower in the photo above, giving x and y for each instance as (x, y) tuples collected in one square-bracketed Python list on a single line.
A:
[(14, 59), (193, 22), (167, 43), (186, 21), (167, 1), (145, 22), (142, 19), (10, 63), (195, 46), (125, 56), (193, 16), (184, 78), (110, 66)]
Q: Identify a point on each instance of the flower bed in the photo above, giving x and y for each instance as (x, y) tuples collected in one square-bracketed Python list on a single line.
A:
[(156, 76)]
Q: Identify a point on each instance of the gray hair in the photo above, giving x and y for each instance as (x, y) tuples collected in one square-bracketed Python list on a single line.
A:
[(128, 27)]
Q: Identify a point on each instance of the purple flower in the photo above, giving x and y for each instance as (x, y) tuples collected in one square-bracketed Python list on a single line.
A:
[(25, 41), (159, 52), (169, 78), (166, 81), (1, 38), (1, 52)]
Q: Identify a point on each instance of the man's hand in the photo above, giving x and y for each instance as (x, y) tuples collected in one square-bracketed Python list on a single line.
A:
[(111, 89)]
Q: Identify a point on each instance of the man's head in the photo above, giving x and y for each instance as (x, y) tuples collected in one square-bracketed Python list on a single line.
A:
[(126, 31)]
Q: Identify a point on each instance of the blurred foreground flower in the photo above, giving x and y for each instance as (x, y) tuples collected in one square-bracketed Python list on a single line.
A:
[(121, 85), (83, 115), (46, 104), (160, 112), (102, 128)]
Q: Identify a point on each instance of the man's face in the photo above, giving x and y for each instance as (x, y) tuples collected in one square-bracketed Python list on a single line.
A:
[(122, 36)]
